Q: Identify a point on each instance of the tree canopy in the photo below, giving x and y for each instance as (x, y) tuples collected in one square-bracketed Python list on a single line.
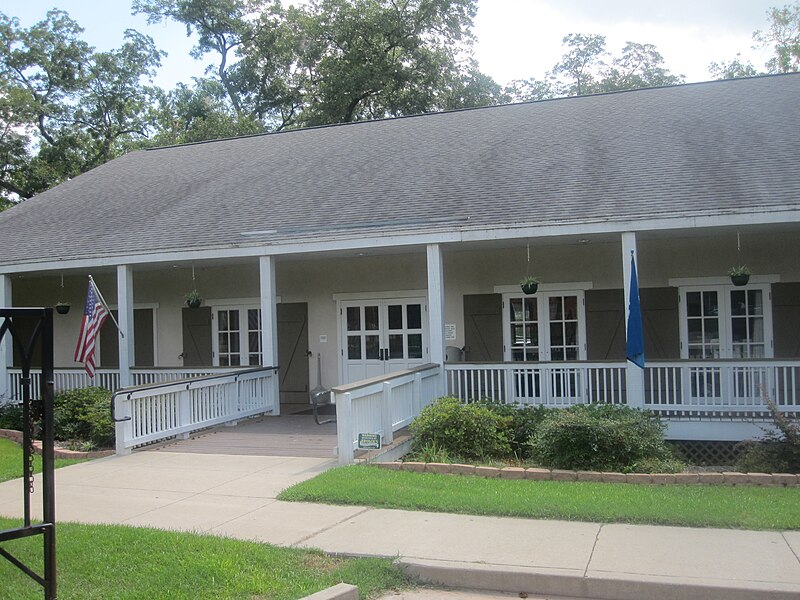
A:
[(587, 68), (782, 39), (65, 108)]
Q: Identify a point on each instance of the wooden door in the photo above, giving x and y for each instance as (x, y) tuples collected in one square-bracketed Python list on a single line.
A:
[(197, 337), (293, 354)]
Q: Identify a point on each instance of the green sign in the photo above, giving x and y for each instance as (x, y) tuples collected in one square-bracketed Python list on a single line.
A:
[(369, 441)]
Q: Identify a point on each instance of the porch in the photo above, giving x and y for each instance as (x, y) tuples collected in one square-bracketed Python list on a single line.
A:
[(383, 320)]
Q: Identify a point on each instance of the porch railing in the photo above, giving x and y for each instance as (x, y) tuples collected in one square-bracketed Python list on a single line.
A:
[(72, 379), (725, 388), (381, 405), (150, 413), (678, 389), (548, 384)]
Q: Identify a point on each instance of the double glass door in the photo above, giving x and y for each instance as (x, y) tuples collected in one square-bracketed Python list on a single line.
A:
[(382, 336), (545, 327)]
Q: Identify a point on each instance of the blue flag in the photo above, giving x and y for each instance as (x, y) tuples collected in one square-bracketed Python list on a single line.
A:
[(634, 349)]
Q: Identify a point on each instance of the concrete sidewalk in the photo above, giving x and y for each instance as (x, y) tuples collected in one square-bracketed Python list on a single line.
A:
[(235, 496)]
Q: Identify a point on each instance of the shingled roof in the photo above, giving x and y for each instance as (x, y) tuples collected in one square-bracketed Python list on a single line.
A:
[(701, 149)]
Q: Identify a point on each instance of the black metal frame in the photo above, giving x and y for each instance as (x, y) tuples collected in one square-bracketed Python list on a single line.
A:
[(33, 411)]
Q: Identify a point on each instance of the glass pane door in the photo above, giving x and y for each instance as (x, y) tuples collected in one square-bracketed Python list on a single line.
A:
[(563, 327), (524, 324), (403, 339), (381, 336), (228, 337), (747, 323), (702, 321)]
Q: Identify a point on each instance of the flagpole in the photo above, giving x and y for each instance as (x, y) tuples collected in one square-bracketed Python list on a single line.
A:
[(103, 300)]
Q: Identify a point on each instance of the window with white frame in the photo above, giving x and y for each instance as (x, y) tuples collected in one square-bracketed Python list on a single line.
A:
[(723, 321), (546, 326)]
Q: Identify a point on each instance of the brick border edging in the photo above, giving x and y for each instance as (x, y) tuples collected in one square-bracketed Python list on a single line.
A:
[(726, 478), (16, 436)]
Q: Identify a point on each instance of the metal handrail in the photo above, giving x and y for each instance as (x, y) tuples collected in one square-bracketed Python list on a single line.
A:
[(187, 381)]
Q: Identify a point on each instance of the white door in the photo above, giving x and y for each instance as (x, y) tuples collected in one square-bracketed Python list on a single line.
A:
[(236, 332), (382, 336), (544, 327)]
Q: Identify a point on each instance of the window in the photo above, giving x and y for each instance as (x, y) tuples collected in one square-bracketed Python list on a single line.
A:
[(544, 327), (723, 321)]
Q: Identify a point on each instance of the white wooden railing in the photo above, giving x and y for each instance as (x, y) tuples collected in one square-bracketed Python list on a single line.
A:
[(382, 405), (73, 379), (676, 389), (150, 413), (722, 388), (548, 384)]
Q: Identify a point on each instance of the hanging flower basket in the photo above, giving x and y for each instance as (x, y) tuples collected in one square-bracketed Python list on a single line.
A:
[(62, 308), (739, 275), (529, 285), (193, 299)]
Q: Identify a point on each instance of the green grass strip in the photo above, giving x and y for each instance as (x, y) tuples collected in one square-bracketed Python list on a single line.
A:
[(11, 460), (106, 562), (740, 507)]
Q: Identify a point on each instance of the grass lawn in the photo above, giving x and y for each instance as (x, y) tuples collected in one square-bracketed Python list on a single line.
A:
[(745, 507), (107, 562), (11, 460)]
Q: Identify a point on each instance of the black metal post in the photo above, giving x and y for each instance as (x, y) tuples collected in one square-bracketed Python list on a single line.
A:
[(48, 460), (43, 332)]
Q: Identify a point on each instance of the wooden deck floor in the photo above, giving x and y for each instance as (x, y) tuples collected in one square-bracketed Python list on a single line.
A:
[(289, 435)]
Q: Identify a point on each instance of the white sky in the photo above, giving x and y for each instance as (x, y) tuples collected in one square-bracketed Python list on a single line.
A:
[(517, 39)]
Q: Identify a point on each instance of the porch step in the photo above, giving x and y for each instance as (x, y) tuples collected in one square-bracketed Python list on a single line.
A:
[(617, 586)]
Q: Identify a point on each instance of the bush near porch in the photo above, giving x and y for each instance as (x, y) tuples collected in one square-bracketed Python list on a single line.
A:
[(585, 437), (82, 418)]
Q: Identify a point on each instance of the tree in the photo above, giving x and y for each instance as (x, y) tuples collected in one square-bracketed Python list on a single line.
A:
[(376, 58), (528, 90), (65, 108), (581, 64), (732, 69), (334, 61), (784, 38), (194, 114), (639, 66), (583, 70)]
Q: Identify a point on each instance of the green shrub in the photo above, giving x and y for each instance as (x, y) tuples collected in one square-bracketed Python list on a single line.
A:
[(11, 416), (599, 437), (777, 452), (523, 423), (469, 431), (84, 416)]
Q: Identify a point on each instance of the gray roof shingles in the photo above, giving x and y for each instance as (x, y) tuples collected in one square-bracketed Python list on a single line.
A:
[(693, 149)]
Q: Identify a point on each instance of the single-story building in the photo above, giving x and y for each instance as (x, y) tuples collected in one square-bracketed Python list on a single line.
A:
[(390, 245)]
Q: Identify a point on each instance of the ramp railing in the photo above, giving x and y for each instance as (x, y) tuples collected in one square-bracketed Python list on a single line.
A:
[(150, 413), (381, 405)]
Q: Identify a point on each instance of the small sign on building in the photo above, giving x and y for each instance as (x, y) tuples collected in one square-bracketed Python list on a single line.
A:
[(369, 441)]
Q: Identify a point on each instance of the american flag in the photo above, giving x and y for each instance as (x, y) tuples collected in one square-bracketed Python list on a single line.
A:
[(94, 314)]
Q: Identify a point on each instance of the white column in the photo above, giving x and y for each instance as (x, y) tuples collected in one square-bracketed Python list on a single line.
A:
[(269, 323), (436, 311), (125, 319), (634, 376), (6, 349)]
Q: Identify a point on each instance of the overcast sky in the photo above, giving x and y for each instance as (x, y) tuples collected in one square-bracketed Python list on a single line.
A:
[(517, 39)]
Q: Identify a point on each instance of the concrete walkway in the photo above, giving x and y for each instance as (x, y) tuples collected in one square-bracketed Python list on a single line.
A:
[(235, 496)]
